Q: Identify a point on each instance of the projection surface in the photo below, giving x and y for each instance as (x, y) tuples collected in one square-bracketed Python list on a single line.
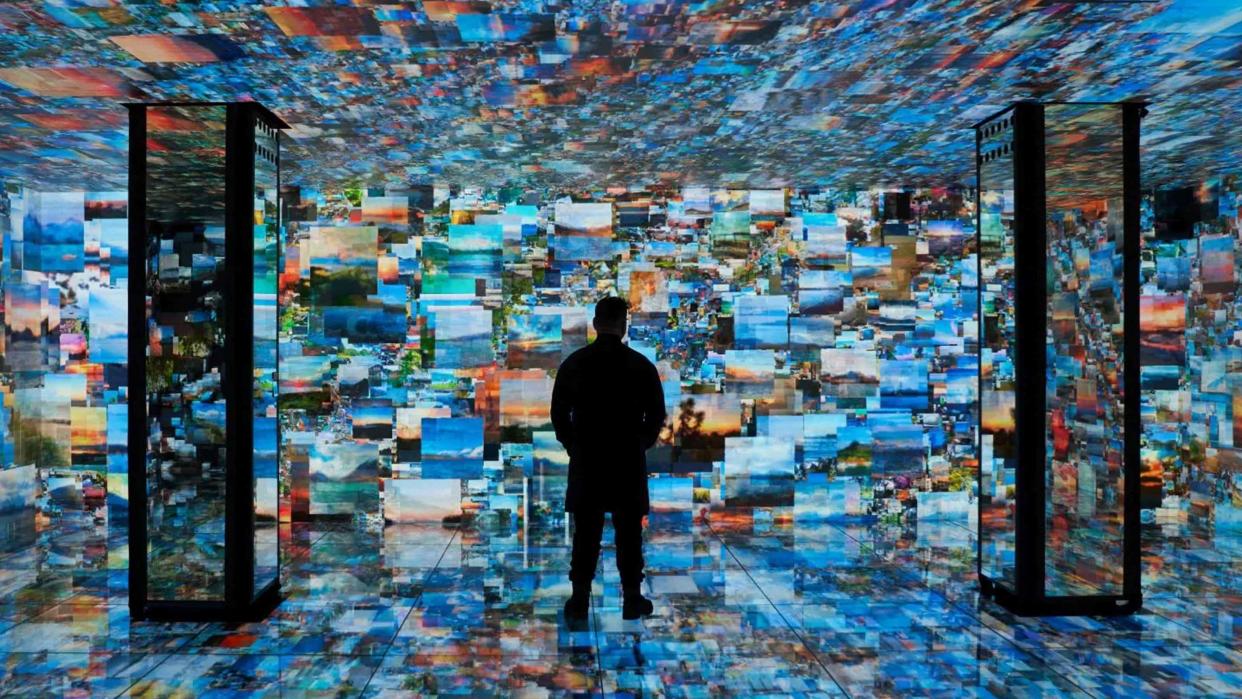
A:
[(821, 481), (816, 362), (748, 94), (784, 192), (819, 362)]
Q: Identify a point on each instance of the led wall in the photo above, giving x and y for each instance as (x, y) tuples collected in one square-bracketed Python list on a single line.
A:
[(817, 351), (186, 469), (587, 95), (997, 353), (816, 348), (1084, 516), (62, 358), (1189, 322)]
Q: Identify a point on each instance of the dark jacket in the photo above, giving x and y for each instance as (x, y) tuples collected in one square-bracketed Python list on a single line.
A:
[(607, 408)]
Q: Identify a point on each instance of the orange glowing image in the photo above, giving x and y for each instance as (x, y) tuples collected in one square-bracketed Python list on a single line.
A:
[(1162, 313)]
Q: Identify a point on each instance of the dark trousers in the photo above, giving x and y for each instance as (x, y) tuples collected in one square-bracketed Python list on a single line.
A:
[(588, 528)]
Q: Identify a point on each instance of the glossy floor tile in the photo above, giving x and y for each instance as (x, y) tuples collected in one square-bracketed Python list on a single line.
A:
[(771, 610)]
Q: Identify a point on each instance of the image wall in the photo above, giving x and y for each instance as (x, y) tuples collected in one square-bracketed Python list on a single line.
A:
[(817, 349), (63, 359)]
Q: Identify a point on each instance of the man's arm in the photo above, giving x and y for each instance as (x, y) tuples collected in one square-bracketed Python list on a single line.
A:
[(653, 407), (562, 404)]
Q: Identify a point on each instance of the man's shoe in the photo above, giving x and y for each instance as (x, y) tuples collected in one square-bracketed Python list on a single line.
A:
[(577, 607), (635, 606)]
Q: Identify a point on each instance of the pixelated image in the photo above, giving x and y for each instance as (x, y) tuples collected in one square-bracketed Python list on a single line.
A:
[(800, 391), (786, 196)]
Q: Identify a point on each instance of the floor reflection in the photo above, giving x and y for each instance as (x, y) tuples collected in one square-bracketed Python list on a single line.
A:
[(794, 610)]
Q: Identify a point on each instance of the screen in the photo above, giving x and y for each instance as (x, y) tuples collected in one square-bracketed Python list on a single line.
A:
[(800, 345), (186, 447), (1084, 447), (418, 349), (998, 450)]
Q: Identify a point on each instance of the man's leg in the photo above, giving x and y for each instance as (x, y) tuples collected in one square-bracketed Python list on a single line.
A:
[(629, 534), (588, 528)]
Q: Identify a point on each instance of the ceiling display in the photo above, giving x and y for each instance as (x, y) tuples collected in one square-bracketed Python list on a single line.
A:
[(628, 92)]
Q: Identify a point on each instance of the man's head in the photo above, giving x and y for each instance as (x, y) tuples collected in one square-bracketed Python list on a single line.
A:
[(610, 316)]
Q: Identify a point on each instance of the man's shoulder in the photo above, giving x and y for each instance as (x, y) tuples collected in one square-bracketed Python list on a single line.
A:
[(575, 356), (639, 359)]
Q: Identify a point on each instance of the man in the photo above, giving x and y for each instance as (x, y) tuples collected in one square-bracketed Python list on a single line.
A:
[(607, 409)]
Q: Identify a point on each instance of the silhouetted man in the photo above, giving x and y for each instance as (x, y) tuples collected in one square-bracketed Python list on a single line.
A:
[(607, 408)]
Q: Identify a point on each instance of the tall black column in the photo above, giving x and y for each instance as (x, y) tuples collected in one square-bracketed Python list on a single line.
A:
[(204, 241), (1058, 222)]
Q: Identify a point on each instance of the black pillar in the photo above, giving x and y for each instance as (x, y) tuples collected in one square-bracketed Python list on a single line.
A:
[(1058, 220), (204, 251)]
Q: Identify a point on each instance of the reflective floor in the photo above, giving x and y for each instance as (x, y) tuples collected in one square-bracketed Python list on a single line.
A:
[(741, 610)]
